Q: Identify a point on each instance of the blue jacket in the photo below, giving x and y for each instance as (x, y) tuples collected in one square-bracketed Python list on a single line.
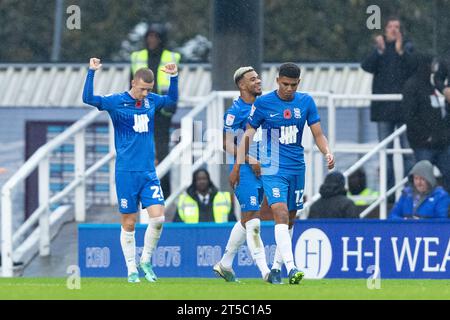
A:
[(434, 206)]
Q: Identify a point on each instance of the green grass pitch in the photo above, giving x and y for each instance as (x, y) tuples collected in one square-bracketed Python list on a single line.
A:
[(217, 289)]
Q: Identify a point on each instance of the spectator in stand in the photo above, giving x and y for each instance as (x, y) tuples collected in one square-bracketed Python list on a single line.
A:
[(442, 79), (333, 203), (358, 191), (423, 199), (391, 63), (202, 202), (427, 119)]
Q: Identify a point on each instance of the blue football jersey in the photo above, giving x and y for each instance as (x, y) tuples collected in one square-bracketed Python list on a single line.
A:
[(235, 121), (133, 123), (282, 124)]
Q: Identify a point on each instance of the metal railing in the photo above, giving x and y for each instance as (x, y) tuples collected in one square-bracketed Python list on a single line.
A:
[(381, 150), (40, 160)]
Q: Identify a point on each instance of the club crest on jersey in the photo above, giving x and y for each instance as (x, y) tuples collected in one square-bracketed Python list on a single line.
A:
[(146, 104), (276, 192), (287, 114), (229, 120), (297, 113)]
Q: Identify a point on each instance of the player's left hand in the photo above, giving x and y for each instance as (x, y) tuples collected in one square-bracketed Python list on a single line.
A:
[(330, 160), (170, 68), (256, 168), (234, 177)]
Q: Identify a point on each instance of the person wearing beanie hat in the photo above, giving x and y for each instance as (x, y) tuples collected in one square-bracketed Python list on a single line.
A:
[(423, 199), (333, 202)]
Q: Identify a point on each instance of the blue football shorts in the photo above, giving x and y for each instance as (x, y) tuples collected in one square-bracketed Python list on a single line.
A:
[(133, 187), (249, 192), (285, 188)]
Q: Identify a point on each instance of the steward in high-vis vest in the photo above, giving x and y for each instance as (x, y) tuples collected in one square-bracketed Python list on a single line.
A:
[(154, 56), (358, 190), (202, 202)]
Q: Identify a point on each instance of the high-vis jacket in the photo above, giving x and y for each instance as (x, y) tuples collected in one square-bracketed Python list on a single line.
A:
[(189, 212), (139, 59)]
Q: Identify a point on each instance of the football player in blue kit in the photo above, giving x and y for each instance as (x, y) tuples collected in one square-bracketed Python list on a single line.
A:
[(132, 114), (282, 115), (249, 191)]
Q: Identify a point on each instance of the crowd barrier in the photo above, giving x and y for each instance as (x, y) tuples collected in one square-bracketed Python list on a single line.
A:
[(322, 249)]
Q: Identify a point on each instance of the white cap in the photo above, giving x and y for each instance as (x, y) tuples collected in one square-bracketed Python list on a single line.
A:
[(240, 72)]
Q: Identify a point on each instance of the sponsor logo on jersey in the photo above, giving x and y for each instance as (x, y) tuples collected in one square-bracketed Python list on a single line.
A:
[(141, 123), (288, 134)]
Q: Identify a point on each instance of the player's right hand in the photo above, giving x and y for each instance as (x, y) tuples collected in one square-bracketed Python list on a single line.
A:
[(94, 64), (330, 160), (256, 168), (234, 177)]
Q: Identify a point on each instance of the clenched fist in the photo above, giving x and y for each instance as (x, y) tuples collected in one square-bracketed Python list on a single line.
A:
[(170, 68), (94, 64)]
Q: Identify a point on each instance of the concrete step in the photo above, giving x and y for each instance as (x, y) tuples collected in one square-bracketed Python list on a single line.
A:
[(64, 247)]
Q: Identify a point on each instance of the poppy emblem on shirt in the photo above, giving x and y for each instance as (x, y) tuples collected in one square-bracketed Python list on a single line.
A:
[(287, 114), (138, 103)]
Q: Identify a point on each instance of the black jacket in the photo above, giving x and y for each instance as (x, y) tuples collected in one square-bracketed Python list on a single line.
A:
[(442, 73), (390, 72), (426, 127), (334, 203)]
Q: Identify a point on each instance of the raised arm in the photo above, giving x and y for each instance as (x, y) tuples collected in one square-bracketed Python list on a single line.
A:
[(169, 101), (322, 144), (88, 91)]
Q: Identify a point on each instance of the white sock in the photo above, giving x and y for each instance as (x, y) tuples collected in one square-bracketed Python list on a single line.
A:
[(128, 243), (284, 244), (256, 245), (151, 237), (278, 259), (237, 238)]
